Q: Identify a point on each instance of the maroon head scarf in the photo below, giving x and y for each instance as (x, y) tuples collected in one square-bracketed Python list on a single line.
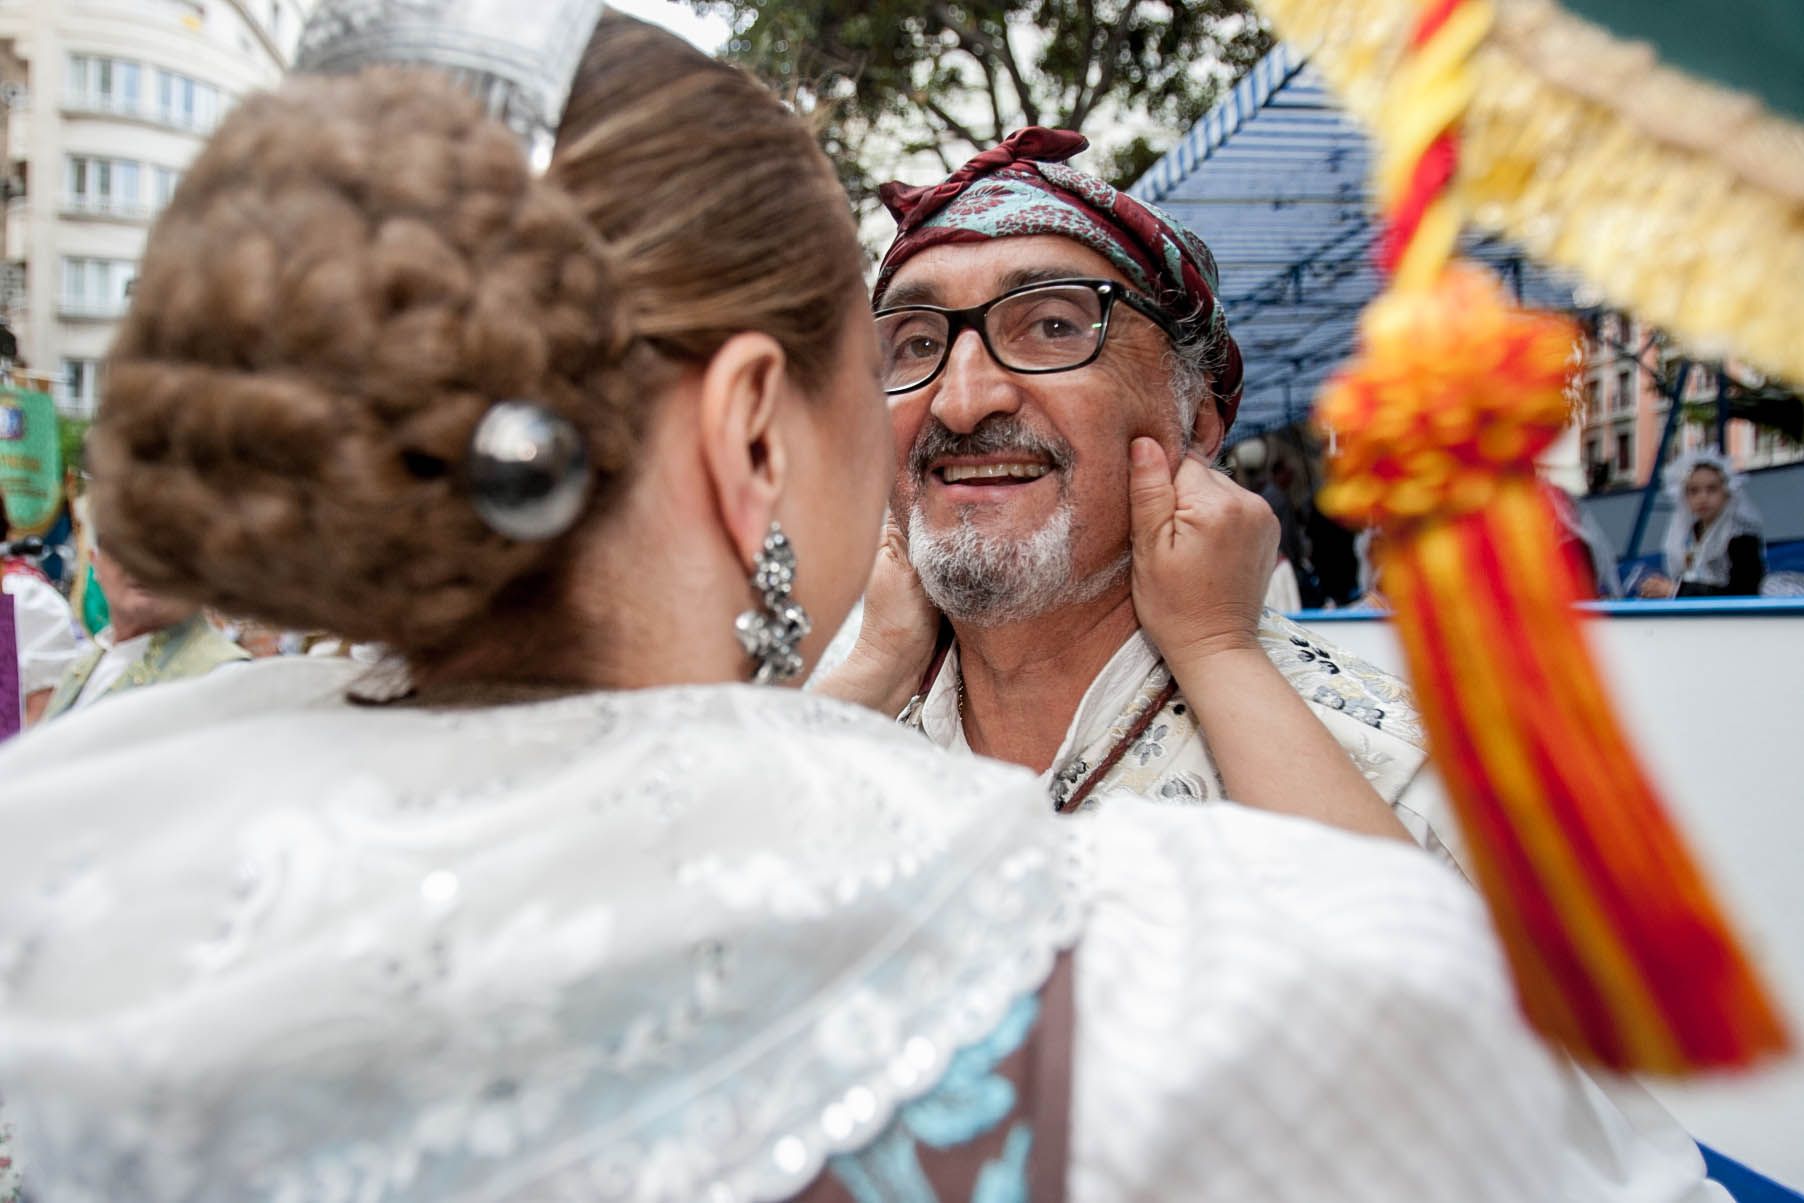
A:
[(1023, 187)]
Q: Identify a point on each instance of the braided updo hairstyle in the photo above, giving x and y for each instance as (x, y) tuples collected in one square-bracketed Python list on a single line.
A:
[(355, 269)]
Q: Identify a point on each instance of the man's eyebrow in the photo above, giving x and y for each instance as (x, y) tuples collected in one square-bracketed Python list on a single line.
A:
[(1021, 277), (923, 292), (918, 293)]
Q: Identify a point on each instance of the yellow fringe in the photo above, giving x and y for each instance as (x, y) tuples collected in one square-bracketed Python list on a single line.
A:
[(1679, 200)]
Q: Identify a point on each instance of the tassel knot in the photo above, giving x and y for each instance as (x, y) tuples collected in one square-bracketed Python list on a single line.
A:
[(1455, 388)]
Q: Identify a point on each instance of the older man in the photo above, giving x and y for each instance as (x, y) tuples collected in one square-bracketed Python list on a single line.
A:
[(152, 639), (1034, 322), (1036, 325)]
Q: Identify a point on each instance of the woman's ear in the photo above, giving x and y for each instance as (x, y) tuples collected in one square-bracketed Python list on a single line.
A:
[(744, 391)]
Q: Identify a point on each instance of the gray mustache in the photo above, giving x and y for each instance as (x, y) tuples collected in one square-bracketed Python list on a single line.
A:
[(994, 435)]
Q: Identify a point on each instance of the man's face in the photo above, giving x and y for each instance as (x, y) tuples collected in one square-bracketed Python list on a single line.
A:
[(995, 548), (134, 609)]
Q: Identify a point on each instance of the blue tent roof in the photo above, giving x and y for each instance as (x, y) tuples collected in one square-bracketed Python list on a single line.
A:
[(1274, 179)]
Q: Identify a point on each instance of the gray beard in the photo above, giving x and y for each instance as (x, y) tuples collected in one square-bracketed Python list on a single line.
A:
[(984, 580)]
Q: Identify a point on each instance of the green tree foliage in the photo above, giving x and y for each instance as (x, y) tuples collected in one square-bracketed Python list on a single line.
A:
[(890, 80), (72, 437)]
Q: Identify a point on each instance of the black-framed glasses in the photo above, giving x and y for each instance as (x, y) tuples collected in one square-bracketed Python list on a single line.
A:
[(1055, 326)]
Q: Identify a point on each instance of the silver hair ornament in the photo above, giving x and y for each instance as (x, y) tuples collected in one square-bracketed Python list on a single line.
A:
[(528, 473)]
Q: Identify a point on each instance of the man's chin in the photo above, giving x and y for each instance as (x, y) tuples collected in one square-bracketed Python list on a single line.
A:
[(1011, 523)]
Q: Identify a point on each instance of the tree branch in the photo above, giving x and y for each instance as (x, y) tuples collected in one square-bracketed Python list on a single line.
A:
[(953, 125), (1030, 106), (1082, 81), (1105, 83), (980, 45), (998, 123)]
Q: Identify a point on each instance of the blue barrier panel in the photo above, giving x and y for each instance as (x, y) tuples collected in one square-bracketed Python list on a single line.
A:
[(1745, 1184), (1689, 607)]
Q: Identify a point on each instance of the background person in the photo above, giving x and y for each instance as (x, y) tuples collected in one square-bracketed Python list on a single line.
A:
[(43, 627), (153, 638), (1713, 545)]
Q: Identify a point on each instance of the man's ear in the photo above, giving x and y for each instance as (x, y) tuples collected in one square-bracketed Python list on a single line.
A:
[(1208, 431), (744, 390)]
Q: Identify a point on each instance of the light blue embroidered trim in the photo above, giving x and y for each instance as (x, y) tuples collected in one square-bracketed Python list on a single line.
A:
[(968, 1102)]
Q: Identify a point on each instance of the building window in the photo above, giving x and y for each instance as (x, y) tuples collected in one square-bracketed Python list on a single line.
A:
[(105, 186), (96, 287), (1625, 389), (1625, 452), (162, 185), (109, 85), (1594, 407), (186, 103), (105, 85), (81, 388)]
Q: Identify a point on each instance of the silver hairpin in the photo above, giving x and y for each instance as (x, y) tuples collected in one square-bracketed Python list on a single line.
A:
[(772, 634), (528, 473)]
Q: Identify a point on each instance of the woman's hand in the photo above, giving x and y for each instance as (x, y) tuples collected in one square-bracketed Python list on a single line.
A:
[(895, 637), (1204, 551), (1653, 585), (899, 622)]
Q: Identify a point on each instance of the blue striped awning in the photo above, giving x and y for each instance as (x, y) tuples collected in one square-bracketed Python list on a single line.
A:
[(1274, 179)]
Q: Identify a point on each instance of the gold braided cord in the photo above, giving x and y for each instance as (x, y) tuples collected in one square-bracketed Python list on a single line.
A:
[(1427, 98), (1678, 200), (1429, 93)]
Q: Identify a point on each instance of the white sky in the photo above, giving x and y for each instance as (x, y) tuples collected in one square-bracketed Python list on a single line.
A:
[(710, 32)]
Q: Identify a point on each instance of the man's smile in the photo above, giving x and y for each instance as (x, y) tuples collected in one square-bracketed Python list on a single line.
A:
[(963, 479), (1001, 469)]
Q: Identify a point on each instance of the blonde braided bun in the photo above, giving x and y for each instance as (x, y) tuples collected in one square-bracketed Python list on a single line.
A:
[(348, 276)]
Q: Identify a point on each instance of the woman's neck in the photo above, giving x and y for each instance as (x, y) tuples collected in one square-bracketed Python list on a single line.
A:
[(636, 604)]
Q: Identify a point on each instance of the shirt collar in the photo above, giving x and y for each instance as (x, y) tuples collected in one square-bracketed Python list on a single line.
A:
[(1096, 713)]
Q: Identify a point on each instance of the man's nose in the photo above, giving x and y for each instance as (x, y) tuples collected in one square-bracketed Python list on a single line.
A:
[(972, 386)]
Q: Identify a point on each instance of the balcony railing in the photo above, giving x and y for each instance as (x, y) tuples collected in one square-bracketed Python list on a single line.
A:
[(199, 123), (74, 405), (114, 105), (90, 308), (77, 204)]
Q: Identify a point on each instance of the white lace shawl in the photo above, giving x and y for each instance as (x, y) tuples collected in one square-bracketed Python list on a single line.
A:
[(256, 943)]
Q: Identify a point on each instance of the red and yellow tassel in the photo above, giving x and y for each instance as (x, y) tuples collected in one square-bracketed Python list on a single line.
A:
[(1620, 952)]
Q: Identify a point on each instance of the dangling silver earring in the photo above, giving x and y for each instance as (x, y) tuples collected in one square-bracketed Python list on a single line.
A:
[(772, 635)]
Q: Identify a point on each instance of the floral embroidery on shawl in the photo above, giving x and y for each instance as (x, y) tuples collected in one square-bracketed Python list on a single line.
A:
[(970, 1101)]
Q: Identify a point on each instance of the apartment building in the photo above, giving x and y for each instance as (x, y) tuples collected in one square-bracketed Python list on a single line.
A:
[(1630, 372), (104, 103)]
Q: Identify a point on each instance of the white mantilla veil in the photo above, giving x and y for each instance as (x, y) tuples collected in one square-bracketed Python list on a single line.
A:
[(1705, 560)]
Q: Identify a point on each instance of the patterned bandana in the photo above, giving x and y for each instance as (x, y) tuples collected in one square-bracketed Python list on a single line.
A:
[(1024, 187)]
